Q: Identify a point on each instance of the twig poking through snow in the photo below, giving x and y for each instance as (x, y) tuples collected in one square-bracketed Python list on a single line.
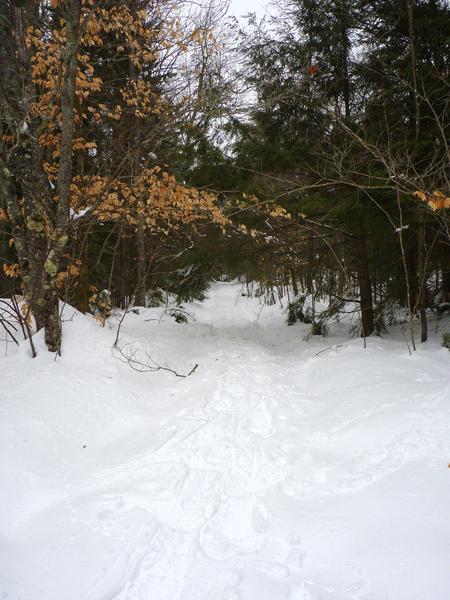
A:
[(330, 348)]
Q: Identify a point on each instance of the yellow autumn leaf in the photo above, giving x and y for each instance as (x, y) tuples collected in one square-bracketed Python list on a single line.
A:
[(12, 271)]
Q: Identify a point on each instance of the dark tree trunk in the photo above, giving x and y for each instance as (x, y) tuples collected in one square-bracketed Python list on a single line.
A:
[(82, 289), (411, 267), (422, 277), (52, 320), (136, 154), (294, 282), (141, 285), (59, 238), (445, 271), (365, 287)]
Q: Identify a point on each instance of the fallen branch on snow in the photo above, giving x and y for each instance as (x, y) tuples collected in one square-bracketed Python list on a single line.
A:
[(330, 348), (129, 355)]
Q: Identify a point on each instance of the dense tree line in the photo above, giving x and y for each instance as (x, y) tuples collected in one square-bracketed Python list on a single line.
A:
[(349, 131), (145, 145), (99, 101)]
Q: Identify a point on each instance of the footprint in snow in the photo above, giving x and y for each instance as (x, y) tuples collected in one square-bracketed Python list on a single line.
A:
[(300, 592), (236, 528)]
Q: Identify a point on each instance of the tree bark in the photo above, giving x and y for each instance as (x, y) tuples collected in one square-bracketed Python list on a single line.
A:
[(445, 271), (365, 287), (422, 277), (82, 289), (136, 154), (412, 53), (59, 238), (141, 287)]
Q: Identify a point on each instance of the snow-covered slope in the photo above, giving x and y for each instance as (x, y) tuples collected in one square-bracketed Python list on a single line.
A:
[(271, 473)]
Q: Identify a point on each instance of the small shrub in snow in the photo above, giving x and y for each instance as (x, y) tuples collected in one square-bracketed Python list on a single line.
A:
[(319, 328), (446, 341), (155, 298), (192, 284), (379, 319), (179, 314), (296, 312), (443, 308), (100, 305)]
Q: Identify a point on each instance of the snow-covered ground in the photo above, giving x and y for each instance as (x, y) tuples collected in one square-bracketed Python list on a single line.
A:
[(271, 473)]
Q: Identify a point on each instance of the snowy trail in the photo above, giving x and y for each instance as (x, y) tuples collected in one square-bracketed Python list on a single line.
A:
[(271, 474), (207, 483)]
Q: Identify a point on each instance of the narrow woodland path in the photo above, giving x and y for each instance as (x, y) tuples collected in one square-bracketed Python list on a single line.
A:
[(200, 491), (269, 474)]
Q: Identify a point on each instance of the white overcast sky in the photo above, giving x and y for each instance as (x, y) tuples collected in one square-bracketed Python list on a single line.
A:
[(242, 7)]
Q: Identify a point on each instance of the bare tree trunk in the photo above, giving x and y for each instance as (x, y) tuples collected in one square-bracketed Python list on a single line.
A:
[(412, 53), (82, 289), (445, 271), (293, 279), (345, 49), (141, 265), (22, 182), (59, 237), (412, 261), (422, 293), (408, 280), (136, 153), (365, 287), (422, 277)]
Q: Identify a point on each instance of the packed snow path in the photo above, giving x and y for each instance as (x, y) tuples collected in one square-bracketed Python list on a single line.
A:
[(269, 474)]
